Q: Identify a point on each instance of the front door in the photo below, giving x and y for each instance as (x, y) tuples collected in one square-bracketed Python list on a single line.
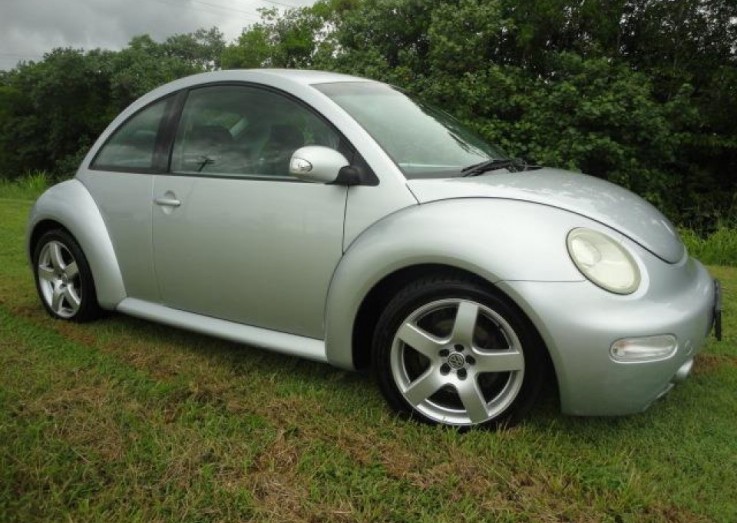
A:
[(235, 236)]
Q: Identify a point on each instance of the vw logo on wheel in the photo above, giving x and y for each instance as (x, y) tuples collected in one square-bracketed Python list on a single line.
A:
[(456, 360)]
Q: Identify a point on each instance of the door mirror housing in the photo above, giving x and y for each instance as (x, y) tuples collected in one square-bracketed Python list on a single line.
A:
[(316, 163)]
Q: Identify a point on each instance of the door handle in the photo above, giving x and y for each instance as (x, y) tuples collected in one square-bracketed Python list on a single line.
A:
[(167, 202)]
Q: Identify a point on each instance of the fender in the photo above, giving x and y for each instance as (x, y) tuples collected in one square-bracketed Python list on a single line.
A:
[(472, 234), (71, 205)]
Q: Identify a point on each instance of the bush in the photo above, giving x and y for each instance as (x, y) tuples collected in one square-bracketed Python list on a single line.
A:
[(28, 187), (718, 248)]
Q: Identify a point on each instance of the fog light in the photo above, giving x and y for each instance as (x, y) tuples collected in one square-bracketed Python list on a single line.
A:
[(650, 348)]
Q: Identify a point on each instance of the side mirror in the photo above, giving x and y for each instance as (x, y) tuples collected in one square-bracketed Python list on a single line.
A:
[(316, 163)]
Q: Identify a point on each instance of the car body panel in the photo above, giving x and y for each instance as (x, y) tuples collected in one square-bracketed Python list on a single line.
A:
[(124, 200), (260, 252), (579, 322), (366, 205), (592, 197), (70, 204), (473, 234)]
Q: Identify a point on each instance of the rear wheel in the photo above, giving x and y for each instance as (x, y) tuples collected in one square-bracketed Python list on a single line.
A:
[(448, 351), (63, 278)]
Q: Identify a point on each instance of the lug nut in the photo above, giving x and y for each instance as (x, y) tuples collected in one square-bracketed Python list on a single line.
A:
[(470, 360), (444, 353), (462, 374), (459, 347), (444, 368)]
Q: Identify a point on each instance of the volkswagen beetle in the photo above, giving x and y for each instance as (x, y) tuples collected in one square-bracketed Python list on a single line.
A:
[(341, 220)]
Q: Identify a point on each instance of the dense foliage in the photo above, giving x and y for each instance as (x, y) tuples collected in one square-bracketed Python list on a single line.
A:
[(51, 111), (641, 92)]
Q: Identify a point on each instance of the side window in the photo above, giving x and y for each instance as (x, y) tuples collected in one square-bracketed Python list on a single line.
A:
[(244, 131), (131, 146)]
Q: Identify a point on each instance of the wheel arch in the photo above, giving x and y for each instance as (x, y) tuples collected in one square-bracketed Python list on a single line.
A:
[(379, 296), (384, 290), (488, 240), (41, 228), (70, 207)]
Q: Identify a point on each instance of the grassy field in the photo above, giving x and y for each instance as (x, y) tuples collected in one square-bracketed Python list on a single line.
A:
[(122, 420)]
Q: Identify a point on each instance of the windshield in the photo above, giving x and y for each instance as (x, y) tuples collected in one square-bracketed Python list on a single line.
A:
[(423, 141)]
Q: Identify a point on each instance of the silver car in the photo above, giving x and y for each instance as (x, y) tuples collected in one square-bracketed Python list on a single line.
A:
[(341, 220)]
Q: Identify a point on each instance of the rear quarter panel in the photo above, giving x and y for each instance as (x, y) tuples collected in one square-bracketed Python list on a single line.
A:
[(70, 205)]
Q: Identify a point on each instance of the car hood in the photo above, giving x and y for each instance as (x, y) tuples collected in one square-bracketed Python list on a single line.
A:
[(592, 197)]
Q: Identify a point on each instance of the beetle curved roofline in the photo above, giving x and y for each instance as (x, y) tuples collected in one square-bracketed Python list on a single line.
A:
[(303, 77), (299, 84)]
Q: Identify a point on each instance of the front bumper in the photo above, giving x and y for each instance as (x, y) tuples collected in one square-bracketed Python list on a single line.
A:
[(579, 323)]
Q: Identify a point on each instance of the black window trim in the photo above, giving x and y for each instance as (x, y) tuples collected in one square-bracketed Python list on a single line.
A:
[(172, 109), (166, 134)]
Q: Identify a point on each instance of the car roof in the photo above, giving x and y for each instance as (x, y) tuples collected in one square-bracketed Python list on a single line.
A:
[(305, 76), (289, 79), (294, 76)]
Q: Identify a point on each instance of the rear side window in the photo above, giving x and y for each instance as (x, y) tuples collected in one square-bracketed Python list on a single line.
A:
[(131, 147)]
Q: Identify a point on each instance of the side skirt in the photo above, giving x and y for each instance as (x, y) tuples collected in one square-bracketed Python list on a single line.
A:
[(291, 344)]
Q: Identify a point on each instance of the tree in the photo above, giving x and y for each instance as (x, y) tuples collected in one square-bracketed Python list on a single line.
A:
[(52, 110), (641, 92)]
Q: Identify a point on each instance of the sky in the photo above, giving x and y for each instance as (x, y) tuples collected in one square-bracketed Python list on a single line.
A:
[(30, 28)]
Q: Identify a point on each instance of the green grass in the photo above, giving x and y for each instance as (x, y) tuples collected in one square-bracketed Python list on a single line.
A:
[(123, 420), (718, 248), (28, 187)]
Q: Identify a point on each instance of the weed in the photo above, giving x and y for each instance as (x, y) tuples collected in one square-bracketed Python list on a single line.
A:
[(718, 248), (28, 187)]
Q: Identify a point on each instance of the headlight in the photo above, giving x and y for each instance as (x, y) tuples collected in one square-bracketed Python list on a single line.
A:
[(603, 261)]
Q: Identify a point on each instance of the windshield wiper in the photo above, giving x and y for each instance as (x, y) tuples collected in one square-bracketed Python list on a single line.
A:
[(517, 164)]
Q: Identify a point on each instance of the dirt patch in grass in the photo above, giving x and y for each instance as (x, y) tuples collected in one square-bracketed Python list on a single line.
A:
[(274, 482), (707, 362), (83, 418)]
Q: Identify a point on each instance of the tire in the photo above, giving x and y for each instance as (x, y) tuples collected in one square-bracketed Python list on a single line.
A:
[(448, 351), (64, 279)]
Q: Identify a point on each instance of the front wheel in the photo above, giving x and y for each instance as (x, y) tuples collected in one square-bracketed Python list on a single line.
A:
[(448, 351), (63, 278)]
